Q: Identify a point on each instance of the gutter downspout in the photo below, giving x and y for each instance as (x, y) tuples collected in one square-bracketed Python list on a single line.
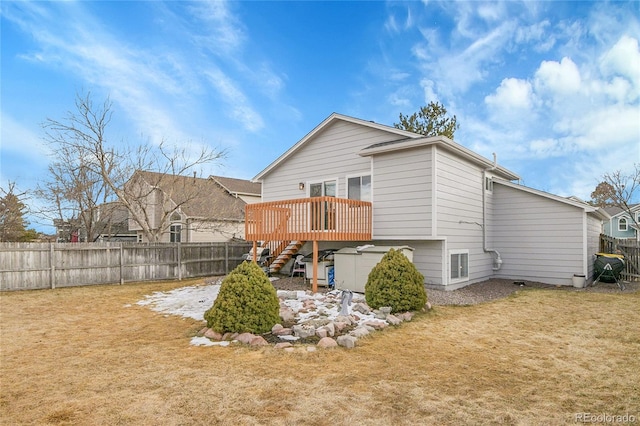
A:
[(497, 262)]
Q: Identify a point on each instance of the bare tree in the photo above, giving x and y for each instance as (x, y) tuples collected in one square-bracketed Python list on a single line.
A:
[(623, 190), (87, 171)]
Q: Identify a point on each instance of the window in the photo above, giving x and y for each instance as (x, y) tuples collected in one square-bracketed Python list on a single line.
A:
[(176, 233), (140, 237), (622, 224), (459, 265), (488, 184), (359, 188)]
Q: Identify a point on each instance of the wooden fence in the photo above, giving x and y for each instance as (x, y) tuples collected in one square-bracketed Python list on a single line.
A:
[(629, 248), (28, 266)]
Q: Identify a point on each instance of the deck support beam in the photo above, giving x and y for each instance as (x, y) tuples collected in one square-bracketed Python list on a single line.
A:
[(314, 287)]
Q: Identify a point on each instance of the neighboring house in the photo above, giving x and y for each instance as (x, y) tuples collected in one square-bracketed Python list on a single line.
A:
[(621, 224), (192, 209), (110, 223), (351, 182)]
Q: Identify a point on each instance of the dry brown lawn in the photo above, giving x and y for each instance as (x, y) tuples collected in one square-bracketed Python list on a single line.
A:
[(80, 356)]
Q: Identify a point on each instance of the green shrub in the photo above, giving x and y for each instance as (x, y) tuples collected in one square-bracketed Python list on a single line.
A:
[(395, 282), (247, 302)]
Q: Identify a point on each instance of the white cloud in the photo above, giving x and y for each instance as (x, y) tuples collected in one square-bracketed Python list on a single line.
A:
[(623, 59), (559, 78), (513, 94)]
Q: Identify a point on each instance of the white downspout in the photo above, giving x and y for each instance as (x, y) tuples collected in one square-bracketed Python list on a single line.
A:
[(497, 263)]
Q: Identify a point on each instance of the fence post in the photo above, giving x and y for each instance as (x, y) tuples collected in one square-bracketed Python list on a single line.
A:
[(121, 264), (52, 265), (178, 247), (226, 258)]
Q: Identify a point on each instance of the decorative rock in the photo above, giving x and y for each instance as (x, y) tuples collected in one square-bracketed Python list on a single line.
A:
[(344, 318), (362, 308), (213, 335), (331, 329), (276, 328), (229, 336), (311, 348), (321, 332), (359, 331), (283, 345), (427, 306), (258, 341), (406, 316), (393, 320), (287, 314), (288, 295), (347, 341), (340, 325), (204, 330), (327, 342), (303, 331), (377, 325), (282, 332), (245, 338), (291, 349)]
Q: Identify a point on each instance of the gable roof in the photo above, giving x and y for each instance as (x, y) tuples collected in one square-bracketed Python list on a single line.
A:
[(444, 142), (197, 197), (572, 201), (405, 140), (238, 186), (402, 134), (619, 211)]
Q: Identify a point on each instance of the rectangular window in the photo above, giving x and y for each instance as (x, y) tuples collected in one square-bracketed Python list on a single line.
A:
[(359, 188), (176, 233), (459, 265), (488, 184)]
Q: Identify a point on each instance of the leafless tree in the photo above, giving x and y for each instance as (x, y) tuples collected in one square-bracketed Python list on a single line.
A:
[(88, 171), (624, 190)]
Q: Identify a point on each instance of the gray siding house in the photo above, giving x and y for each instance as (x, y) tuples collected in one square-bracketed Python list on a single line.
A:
[(464, 215)]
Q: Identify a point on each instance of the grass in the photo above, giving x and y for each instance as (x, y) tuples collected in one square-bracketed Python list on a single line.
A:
[(89, 355)]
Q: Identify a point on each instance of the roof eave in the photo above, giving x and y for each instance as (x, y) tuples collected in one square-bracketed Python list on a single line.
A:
[(333, 117)]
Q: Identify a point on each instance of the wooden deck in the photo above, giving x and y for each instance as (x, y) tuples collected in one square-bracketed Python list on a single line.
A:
[(308, 219)]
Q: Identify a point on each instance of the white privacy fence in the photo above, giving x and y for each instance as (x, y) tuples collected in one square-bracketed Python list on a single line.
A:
[(28, 266)]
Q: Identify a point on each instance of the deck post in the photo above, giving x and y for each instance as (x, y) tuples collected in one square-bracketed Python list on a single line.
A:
[(255, 251), (315, 267)]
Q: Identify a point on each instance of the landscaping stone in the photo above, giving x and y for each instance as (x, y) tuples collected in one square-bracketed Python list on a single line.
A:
[(213, 335), (346, 341), (245, 338), (362, 308), (258, 341), (303, 330), (393, 320), (283, 345), (327, 342), (359, 331)]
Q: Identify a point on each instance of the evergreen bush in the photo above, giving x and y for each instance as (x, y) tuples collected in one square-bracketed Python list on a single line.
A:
[(396, 282), (247, 302)]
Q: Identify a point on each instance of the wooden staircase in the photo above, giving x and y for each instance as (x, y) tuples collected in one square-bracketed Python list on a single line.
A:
[(282, 253)]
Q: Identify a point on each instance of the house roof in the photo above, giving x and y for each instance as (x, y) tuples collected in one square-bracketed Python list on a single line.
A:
[(616, 211), (238, 186), (573, 201), (402, 134), (444, 142), (197, 197), (405, 140)]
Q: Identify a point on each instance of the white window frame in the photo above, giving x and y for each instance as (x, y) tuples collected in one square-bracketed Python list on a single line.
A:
[(488, 184), (359, 175), (173, 232), (460, 278), (323, 182), (621, 221)]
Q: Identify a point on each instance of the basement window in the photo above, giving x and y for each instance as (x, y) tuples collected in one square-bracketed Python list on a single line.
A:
[(459, 260)]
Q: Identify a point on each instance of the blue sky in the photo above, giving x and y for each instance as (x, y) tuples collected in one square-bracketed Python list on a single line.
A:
[(551, 87)]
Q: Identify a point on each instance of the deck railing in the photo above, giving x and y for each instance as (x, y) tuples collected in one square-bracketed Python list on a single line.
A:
[(309, 219)]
